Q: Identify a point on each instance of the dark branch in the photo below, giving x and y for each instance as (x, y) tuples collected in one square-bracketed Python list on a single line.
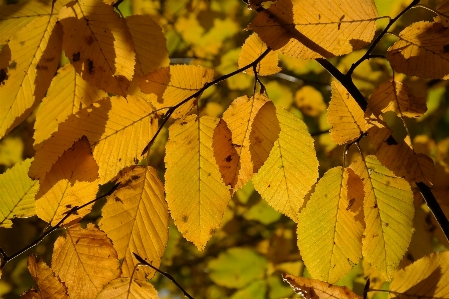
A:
[(143, 262)]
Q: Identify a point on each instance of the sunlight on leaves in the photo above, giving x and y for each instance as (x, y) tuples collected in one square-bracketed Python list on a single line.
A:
[(253, 48), (443, 9), (120, 289)]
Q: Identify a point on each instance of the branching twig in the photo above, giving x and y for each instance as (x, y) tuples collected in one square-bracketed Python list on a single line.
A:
[(143, 262), (6, 259)]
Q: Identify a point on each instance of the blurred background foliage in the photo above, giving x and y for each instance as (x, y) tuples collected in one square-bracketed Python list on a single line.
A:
[(255, 243)]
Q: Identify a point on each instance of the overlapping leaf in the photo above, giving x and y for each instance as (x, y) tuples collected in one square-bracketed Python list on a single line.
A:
[(251, 50), (291, 168), (331, 225), (324, 29), (50, 286), (85, 261), (117, 129), (135, 217), (344, 115), (120, 288), (98, 44), (443, 10), (196, 195), (388, 209), (72, 181), (421, 51)]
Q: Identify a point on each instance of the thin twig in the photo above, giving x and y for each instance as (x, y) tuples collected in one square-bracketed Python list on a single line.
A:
[(320, 133), (143, 262)]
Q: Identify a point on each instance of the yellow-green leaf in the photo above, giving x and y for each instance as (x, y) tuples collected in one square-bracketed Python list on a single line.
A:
[(121, 288), (251, 50), (291, 168), (389, 211), (196, 195), (135, 218), (330, 227), (17, 194)]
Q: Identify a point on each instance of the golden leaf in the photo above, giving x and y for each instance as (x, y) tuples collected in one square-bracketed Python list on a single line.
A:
[(17, 193), (50, 286), (443, 10), (117, 130), (315, 289), (389, 210), (36, 50), (291, 168), (344, 115), (418, 44), (324, 29), (72, 181), (251, 50), (120, 289), (85, 261), (149, 41), (196, 195), (135, 218), (310, 101), (68, 93), (98, 44), (332, 218)]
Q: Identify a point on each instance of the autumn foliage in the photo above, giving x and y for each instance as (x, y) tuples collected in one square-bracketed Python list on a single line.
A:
[(162, 135)]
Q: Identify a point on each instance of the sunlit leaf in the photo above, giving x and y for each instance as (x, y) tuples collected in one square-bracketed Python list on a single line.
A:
[(389, 211), (291, 168), (85, 261), (255, 290), (72, 181), (443, 10), (251, 50), (310, 101), (17, 194), (331, 225), (120, 289), (135, 218), (324, 29), (196, 195), (418, 44)]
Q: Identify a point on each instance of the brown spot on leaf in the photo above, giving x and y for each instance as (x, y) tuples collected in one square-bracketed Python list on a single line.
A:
[(69, 206), (90, 66), (351, 202), (185, 218), (76, 56), (212, 231), (117, 199), (229, 158), (3, 76), (375, 205), (134, 177), (89, 40)]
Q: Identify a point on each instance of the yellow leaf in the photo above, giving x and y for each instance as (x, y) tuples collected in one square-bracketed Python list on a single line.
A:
[(50, 286), (332, 218), (17, 193), (135, 217), (389, 210), (310, 101), (68, 93), (344, 115), (443, 10), (120, 289), (149, 41), (98, 44), (239, 117), (36, 51), (312, 288), (324, 29), (426, 278), (251, 50), (291, 168), (11, 150), (85, 261), (72, 181), (418, 44), (117, 130), (196, 195)]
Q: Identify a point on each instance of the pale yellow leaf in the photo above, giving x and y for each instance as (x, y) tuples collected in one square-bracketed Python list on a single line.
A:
[(239, 117), (291, 168), (315, 289), (322, 29), (36, 51), (196, 195), (344, 115), (68, 93), (426, 278), (389, 211), (85, 261), (50, 286), (98, 44), (422, 50), (118, 130), (330, 228), (17, 194), (443, 10), (120, 289), (149, 41), (135, 218), (310, 101), (251, 50), (72, 181)]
